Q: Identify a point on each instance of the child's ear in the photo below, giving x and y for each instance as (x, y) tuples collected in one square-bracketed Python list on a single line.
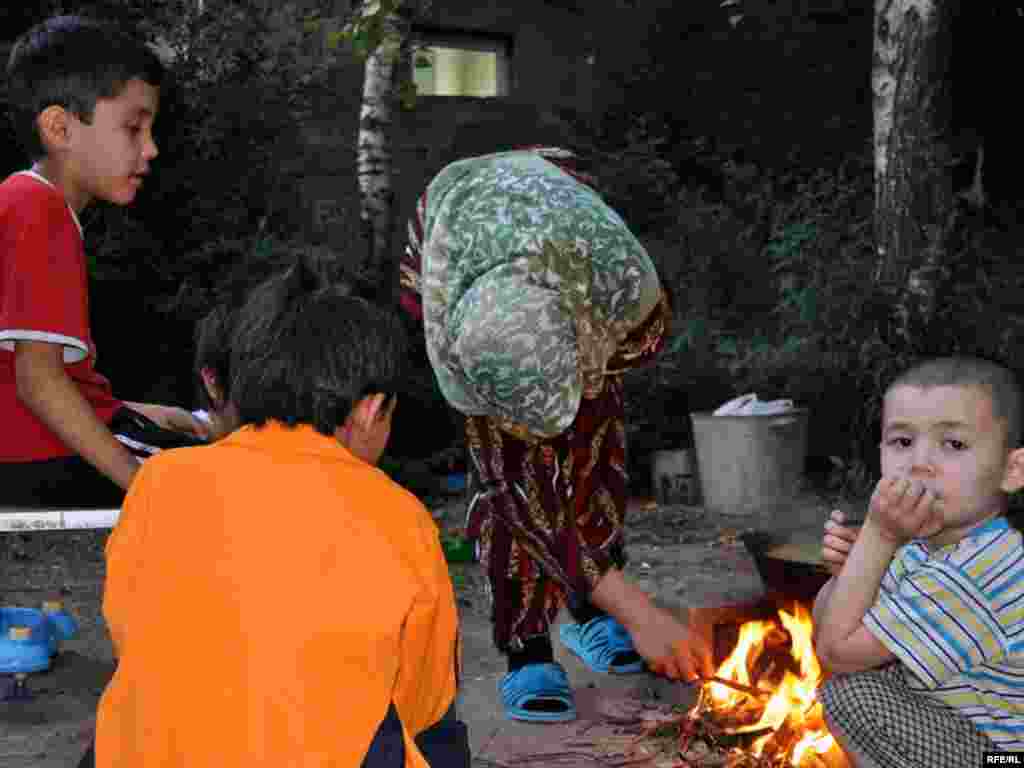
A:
[(380, 406), (54, 127), (365, 411), (1013, 477)]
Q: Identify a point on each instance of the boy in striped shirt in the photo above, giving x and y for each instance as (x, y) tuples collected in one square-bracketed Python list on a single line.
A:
[(924, 615)]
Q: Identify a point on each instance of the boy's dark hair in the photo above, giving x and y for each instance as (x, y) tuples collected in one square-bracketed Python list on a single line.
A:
[(213, 331), (303, 352), (997, 380), (72, 62)]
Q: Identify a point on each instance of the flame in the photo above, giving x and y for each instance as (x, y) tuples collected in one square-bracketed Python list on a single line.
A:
[(792, 715), (750, 644)]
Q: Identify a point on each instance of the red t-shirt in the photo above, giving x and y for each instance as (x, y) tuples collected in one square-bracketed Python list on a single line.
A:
[(44, 296)]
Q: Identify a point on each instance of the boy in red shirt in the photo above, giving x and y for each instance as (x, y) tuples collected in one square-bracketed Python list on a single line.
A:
[(83, 97)]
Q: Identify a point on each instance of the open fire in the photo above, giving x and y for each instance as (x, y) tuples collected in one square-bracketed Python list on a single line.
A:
[(759, 710), (776, 722)]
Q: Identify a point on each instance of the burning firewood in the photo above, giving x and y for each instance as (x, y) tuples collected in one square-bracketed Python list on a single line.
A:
[(759, 710), (738, 722), (748, 689)]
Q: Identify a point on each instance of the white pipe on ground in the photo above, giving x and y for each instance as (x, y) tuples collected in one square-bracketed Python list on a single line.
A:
[(20, 520)]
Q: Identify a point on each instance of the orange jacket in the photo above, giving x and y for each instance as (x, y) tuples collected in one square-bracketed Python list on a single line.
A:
[(268, 597)]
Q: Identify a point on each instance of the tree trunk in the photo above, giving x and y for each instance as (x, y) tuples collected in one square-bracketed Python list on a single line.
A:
[(914, 199), (374, 148)]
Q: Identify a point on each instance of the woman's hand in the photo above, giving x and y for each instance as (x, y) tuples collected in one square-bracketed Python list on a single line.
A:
[(837, 541), (665, 643), (670, 648)]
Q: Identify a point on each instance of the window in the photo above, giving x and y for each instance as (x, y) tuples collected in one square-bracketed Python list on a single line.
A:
[(461, 65)]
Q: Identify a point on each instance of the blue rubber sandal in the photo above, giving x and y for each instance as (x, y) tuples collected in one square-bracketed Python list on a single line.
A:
[(537, 682), (598, 642)]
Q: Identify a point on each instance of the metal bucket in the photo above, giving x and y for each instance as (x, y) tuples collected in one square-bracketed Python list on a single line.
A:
[(750, 463)]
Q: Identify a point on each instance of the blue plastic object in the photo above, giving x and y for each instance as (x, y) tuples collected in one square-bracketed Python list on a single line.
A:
[(29, 637), (598, 642), (24, 654), (454, 482), (536, 682)]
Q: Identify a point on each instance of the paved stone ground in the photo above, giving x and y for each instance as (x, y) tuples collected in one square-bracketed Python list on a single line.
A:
[(683, 556)]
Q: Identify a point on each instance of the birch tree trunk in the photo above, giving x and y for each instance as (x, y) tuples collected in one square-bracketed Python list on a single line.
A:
[(914, 198), (373, 145)]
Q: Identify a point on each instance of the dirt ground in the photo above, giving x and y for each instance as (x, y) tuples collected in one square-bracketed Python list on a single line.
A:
[(684, 556)]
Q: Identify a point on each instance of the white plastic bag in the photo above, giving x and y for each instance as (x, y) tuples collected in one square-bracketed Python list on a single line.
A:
[(750, 405)]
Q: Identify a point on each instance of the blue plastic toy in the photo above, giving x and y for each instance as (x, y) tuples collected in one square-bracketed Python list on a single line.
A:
[(29, 639)]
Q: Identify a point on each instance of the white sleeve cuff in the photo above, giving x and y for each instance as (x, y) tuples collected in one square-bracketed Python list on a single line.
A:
[(75, 350)]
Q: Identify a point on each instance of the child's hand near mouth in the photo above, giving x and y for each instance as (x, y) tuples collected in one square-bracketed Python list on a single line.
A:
[(905, 509)]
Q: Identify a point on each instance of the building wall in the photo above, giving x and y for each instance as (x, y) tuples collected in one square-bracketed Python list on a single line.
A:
[(550, 46), (549, 72)]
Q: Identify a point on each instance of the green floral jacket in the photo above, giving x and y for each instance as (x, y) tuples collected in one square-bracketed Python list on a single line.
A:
[(530, 283)]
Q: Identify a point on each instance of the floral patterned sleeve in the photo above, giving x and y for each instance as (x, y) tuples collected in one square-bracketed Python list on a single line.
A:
[(644, 343)]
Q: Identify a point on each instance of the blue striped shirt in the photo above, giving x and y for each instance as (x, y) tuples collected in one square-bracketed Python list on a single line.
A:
[(955, 618)]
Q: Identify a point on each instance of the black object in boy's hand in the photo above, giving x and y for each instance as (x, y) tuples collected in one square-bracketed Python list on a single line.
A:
[(144, 437)]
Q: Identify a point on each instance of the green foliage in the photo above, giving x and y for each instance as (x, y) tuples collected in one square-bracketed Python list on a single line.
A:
[(229, 133), (626, 153), (748, 277), (369, 27), (824, 336), (635, 177), (817, 332)]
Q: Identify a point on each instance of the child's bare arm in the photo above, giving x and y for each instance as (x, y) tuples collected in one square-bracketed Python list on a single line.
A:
[(45, 388), (843, 642), (171, 417), (899, 510), (820, 601), (836, 544)]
